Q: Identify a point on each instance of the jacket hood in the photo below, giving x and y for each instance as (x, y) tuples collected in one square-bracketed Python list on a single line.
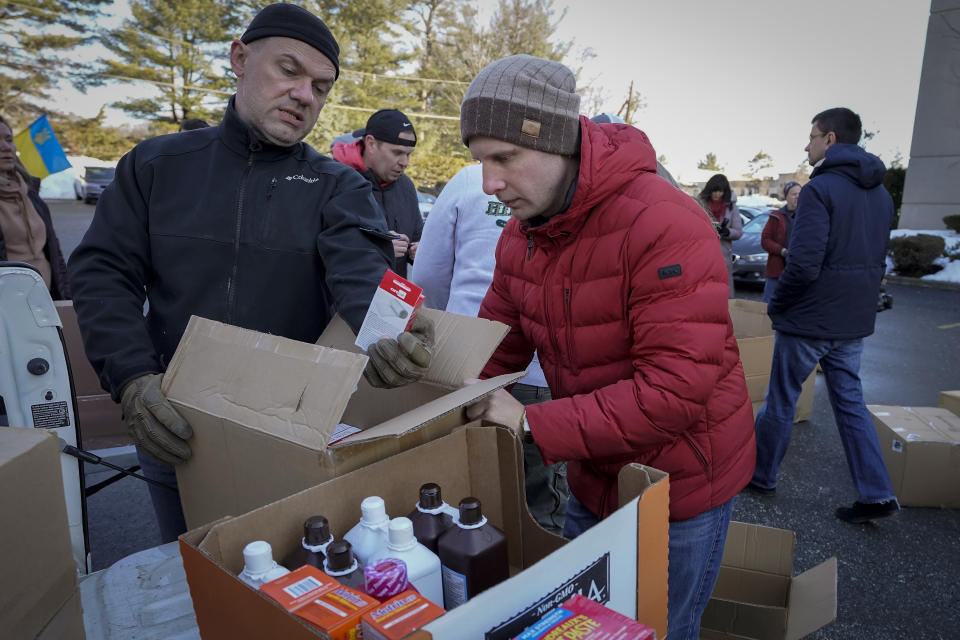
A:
[(611, 155), (854, 163), (350, 155)]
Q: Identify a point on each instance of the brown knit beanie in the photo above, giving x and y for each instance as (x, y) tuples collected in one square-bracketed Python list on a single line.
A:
[(526, 101)]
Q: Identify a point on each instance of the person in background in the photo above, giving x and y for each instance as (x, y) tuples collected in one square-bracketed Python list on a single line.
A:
[(189, 124), (776, 238), (275, 237), (26, 227), (454, 267), (720, 203), (381, 155), (824, 306), (614, 278)]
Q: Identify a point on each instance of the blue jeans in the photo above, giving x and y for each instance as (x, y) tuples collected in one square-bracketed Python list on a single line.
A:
[(768, 288), (696, 547), (545, 485), (794, 358), (166, 503)]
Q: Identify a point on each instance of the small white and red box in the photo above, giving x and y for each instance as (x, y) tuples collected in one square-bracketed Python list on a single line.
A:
[(584, 619), (399, 616), (392, 310)]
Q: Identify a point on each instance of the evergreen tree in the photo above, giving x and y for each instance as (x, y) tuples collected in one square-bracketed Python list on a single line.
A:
[(181, 48), (34, 36), (710, 163)]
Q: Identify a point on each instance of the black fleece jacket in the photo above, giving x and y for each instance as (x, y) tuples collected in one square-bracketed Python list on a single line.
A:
[(216, 223)]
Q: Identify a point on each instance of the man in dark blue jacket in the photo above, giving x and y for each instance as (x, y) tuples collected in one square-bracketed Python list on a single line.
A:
[(241, 223), (826, 303)]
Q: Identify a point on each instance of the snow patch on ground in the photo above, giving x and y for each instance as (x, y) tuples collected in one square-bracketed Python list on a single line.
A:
[(951, 270)]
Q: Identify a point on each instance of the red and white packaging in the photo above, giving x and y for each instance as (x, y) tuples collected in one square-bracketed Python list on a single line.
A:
[(399, 616), (584, 619), (299, 587), (392, 310)]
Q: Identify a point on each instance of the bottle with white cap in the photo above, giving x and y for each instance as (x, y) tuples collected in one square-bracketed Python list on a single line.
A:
[(259, 567), (370, 534), (423, 565)]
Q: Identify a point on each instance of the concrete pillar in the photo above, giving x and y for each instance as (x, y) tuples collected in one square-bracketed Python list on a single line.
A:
[(932, 190)]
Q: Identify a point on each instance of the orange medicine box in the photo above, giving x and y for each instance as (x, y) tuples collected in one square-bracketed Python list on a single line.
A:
[(298, 587), (399, 616), (338, 612)]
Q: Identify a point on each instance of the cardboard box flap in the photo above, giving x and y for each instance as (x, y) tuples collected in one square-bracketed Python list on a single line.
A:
[(813, 600), (432, 410), (750, 319), (268, 383), (759, 549), (920, 424), (462, 345)]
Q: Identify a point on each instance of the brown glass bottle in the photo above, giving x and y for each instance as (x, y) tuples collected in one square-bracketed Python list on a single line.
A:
[(316, 537), (473, 555), (431, 517), (343, 566)]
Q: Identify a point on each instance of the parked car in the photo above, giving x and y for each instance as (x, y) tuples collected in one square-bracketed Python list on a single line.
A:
[(425, 200), (749, 213), (91, 181), (749, 258)]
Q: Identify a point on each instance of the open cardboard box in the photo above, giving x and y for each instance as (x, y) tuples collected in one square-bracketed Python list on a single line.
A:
[(757, 595), (264, 408), (38, 584), (622, 562), (754, 333), (921, 449)]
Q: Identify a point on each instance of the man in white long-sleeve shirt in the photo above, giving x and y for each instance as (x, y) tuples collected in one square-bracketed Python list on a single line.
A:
[(454, 267)]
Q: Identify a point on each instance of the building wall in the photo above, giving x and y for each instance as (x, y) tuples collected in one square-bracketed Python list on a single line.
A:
[(932, 189)]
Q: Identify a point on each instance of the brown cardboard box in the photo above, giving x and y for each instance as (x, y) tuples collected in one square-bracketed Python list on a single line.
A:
[(754, 334), (264, 408), (100, 422), (38, 584), (950, 400), (622, 561), (757, 595), (921, 448)]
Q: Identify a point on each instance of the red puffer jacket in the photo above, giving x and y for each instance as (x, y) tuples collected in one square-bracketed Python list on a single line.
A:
[(624, 297)]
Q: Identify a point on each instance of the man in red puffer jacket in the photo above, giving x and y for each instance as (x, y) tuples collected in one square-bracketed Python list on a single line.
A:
[(617, 280)]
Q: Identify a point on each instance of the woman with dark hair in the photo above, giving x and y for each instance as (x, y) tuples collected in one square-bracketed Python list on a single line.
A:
[(718, 201), (26, 228), (776, 238)]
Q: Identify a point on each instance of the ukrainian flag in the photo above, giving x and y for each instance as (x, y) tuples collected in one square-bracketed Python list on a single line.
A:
[(40, 151)]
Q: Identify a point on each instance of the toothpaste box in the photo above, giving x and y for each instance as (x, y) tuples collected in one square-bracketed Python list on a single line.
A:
[(392, 310), (399, 616), (584, 619)]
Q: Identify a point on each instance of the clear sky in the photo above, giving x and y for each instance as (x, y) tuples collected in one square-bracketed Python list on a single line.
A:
[(730, 76), (737, 76)]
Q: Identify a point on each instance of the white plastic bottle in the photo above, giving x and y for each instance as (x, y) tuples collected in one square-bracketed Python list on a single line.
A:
[(369, 535), (423, 565), (259, 567)]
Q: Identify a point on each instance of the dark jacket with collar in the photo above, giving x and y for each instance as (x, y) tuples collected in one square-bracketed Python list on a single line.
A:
[(397, 199), (216, 223), (59, 284), (838, 246)]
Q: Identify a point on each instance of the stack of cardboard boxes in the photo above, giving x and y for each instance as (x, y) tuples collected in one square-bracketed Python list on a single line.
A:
[(754, 334), (38, 584)]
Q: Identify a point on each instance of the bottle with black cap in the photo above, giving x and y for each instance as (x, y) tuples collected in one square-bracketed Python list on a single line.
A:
[(316, 538), (431, 517), (473, 555), (341, 565)]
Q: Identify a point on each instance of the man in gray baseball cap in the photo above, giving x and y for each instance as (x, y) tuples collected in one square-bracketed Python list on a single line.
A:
[(241, 223), (616, 279)]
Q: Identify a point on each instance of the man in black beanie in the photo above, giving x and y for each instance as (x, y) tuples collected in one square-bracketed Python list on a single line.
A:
[(241, 223)]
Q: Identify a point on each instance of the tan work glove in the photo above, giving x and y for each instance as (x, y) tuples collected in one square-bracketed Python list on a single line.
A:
[(396, 363), (155, 425)]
